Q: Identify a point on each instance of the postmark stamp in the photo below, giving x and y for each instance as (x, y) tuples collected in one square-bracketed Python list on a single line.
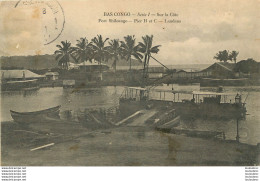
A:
[(51, 14)]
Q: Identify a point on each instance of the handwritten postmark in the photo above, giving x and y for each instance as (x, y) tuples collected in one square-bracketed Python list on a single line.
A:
[(51, 15)]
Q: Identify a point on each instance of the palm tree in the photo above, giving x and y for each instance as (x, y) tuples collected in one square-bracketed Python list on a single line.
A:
[(146, 47), (83, 50), (115, 51), (233, 56), (100, 51), (64, 53), (129, 49)]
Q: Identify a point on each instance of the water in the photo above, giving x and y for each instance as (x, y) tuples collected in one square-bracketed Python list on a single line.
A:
[(50, 97), (109, 96)]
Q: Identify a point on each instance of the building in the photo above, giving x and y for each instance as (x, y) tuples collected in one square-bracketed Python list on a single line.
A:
[(16, 75), (52, 75), (216, 70), (155, 72), (92, 67), (73, 66), (220, 70), (179, 74), (155, 75)]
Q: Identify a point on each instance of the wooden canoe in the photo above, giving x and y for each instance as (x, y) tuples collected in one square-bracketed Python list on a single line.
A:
[(29, 117)]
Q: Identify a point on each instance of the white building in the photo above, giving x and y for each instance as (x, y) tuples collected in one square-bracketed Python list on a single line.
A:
[(52, 75)]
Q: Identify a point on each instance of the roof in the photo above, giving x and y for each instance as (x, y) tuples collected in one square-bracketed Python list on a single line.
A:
[(225, 65), (18, 74), (172, 91), (211, 93), (180, 70), (21, 81), (73, 65), (87, 63), (136, 88)]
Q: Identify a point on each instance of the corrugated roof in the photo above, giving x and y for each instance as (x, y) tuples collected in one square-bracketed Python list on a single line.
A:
[(180, 70), (212, 93), (17, 74), (226, 65)]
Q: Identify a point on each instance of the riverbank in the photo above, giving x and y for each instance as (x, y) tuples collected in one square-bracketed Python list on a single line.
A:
[(74, 145)]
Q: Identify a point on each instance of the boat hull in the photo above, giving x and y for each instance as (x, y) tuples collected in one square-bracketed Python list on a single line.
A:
[(22, 85), (211, 111), (189, 110), (30, 117)]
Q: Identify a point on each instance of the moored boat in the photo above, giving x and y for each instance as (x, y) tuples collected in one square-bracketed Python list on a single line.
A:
[(217, 105), (29, 117), (208, 105), (21, 85)]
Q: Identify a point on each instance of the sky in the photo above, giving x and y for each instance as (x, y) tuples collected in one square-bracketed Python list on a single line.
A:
[(207, 26)]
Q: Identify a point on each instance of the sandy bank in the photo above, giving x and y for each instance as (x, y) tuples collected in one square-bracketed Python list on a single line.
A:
[(130, 146)]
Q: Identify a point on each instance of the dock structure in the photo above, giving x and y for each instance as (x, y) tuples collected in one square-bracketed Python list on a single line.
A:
[(141, 120), (129, 117)]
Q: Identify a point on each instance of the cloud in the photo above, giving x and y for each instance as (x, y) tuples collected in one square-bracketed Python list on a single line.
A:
[(207, 27), (20, 33), (194, 50)]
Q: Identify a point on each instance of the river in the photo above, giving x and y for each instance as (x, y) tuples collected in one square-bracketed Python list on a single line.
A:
[(79, 100)]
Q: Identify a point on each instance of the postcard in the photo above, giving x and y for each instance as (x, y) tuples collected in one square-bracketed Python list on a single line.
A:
[(130, 83)]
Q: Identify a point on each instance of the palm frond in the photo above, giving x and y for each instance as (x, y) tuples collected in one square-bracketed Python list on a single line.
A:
[(58, 52), (60, 47)]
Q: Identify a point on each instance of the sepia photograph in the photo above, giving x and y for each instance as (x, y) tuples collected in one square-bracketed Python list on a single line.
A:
[(130, 83)]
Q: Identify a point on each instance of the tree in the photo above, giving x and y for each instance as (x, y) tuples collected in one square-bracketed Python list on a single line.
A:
[(64, 53), (115, 51), (100, 51), (233, 56), (222, 56), (83, 50), (146, 47), (129, 50)]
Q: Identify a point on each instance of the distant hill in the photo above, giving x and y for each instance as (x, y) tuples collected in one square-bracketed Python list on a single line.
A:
[(29, 62), (39, 62)]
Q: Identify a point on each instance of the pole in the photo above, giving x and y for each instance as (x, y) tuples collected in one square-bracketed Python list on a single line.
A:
[(237, 137), (160, 63), (191, 77), (246, 97)]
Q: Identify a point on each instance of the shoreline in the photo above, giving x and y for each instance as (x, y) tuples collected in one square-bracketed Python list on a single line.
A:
[(117, 146)]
